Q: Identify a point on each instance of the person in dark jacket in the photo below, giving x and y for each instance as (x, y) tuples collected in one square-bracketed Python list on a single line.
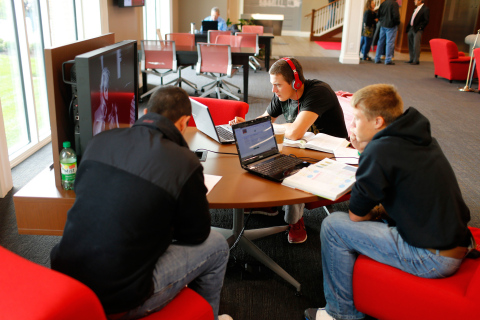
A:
[(415, 27), (139, 230), (389, 18), (368, 29), (403, 169)]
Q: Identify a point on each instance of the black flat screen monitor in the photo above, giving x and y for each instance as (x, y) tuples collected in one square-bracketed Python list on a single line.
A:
[(107, 86), (209, 25)]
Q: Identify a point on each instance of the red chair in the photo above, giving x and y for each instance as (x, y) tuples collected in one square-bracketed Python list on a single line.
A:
[(183, 40), (213, 34), (449, 63), (253, 29), (250, 40), (222, 111), (476, 54), (157, 56), (33, 292), (233, 41), (216, 58), (387, 293)]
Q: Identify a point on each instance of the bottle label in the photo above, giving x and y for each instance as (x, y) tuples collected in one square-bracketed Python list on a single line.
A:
[(68, 171)]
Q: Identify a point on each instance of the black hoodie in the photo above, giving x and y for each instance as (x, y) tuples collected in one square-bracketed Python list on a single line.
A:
[(136, 190), (405, 170)]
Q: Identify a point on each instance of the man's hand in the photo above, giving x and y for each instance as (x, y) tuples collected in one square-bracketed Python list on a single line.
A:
[(236, 120), (360, 146)]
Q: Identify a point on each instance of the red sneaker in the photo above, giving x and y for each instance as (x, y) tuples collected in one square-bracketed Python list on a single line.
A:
[(267, 211), (297, 232)]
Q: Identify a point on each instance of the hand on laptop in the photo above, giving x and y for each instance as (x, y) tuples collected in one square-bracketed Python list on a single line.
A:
[(236, 120)]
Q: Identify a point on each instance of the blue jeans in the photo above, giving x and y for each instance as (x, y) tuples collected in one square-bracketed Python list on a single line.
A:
[(365, 45), (386, 42), (201, 267), (343, 240)]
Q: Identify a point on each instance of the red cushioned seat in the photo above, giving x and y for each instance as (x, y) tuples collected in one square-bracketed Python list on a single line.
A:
[(32, 292), (449, 63), (387, 293), (222, 110)]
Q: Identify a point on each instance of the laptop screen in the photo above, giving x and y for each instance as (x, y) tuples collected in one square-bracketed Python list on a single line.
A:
[(255, 140), (209, 25)]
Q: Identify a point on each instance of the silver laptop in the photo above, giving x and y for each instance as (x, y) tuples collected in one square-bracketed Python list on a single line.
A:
[(203, 119), (258, 150)]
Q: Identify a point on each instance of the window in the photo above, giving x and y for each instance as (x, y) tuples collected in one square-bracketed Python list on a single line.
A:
[(26, 28)]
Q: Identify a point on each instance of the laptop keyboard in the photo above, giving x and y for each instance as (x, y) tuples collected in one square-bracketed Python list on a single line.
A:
[(224, 134), (277, 164)]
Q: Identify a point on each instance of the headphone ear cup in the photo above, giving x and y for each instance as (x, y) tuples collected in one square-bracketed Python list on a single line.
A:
[(293, 85)]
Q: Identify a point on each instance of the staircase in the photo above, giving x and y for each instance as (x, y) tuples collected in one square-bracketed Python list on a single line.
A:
[(328, 21)]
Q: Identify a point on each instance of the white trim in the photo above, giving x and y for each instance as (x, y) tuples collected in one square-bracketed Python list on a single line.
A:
[(292, 33), (352, 23), (6, 182), (27, 151)]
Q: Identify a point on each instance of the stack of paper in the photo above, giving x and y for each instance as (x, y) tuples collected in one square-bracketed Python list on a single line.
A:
[(320, 142)]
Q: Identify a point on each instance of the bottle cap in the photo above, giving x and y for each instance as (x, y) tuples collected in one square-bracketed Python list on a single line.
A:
[(66, 144)]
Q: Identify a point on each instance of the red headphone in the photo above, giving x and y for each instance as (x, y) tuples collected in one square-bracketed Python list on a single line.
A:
[(296, 84)]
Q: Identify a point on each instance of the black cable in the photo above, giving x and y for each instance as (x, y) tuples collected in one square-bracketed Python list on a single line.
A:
[(235, 154), (241, 232)]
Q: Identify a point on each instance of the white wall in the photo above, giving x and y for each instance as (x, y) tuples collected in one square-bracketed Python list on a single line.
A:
[(6, 182), (352, 23)]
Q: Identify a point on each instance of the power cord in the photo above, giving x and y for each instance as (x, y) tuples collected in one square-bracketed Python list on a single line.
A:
[(241, 232), (234, 154)]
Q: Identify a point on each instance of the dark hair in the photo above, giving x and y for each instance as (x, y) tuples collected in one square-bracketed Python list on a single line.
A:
[(282, 67), (171, 102)]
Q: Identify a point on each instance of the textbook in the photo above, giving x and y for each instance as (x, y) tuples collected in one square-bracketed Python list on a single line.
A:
[(328, 179), (320, 142)]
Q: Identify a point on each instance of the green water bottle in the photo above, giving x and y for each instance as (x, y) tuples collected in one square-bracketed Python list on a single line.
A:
[(68, 166)]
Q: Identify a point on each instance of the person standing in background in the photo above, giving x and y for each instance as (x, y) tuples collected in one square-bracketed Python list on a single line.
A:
[(368, 29), (389, 17), (415, 27)]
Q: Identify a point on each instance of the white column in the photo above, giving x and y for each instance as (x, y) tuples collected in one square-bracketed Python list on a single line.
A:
[(352, 28), (6, 182)]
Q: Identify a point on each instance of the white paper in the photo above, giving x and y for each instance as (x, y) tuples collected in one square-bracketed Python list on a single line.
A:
[(211, 181), (346, 155)]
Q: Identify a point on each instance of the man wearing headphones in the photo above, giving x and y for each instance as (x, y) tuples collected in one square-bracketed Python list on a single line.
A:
[(307, 105)]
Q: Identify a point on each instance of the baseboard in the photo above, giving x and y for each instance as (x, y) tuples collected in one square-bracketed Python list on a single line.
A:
[(292, 33)]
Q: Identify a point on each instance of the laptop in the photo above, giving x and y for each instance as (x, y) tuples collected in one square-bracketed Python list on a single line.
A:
[(203, 119), (209, 25), (258, 151)]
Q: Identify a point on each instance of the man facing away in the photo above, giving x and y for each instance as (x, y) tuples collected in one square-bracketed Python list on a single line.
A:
[(389, 18), (307, 105), (215, 16), (139, 230), (403, 169), (415, 27)]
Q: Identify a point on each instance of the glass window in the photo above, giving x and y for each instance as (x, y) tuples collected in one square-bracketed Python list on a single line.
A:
[(11, 82), (61, 15), (37, 64)]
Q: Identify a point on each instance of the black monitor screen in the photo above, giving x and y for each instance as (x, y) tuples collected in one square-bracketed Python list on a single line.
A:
[(209, 25), (107, 82)]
